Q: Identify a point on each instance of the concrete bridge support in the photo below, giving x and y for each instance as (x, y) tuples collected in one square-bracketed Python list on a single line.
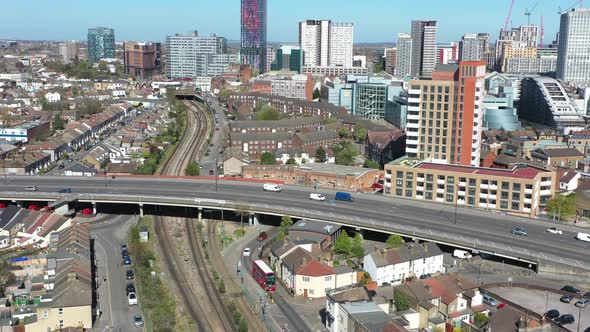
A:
[(141, 210), (253, 219), (94, 208), (200, 214)]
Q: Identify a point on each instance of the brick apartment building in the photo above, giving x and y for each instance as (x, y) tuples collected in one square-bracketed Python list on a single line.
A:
[(257, 143), (141, 59), (288, 107), (322, 138), (284, 125)]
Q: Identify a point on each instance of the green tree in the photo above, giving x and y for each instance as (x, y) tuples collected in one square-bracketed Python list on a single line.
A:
[(562, 207), (268, 113), (192, 169), (291, 161), (58, 123), (268, 158), (394, 241), (171, 95), (360, 132), (243, 327), (221, 287), (480, 319), (343, 244), (343, 132), (378, 67), (371, 164), (357, 249), (90, 106), (286, 223), (401, 301), (316, 93), (320, 155), (224, 95), (345, 153), (103, 66)]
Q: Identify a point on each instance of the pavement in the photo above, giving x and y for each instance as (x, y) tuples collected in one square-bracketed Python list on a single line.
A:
[(471, 226), (116, 315)]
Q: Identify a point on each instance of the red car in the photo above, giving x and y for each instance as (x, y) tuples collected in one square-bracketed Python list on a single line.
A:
[(262, 236), (217, 129)]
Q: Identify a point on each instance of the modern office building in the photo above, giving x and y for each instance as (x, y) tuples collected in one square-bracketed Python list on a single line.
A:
[(141, 60), (446, 54), (101, 44), (288, 58), (326, 43), (271, 54), (484, 39), (543, 100), (397, 109), (470, 48), (69, 50), (403, 64), (499, 110), (390, 56), (573, 63), (423, 48), (253, 34), (445, 114), (521, 190)]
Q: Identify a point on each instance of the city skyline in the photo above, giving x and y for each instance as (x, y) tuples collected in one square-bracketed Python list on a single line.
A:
[(223, 18)]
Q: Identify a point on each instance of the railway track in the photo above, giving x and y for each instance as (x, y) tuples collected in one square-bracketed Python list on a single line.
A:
[(191, 145)]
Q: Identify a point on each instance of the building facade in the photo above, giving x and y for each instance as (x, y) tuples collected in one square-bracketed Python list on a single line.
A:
[(253, 34), (101, 44), (326, 43), (423, 48), (403, 64), (573, 61), (520, 190), (297, 86), (69, 50), (287, 58), (141, 60), (390, 56), (470, 48)]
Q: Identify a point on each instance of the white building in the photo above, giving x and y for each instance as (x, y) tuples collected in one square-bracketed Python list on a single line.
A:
[(69, 51), (423, 48), (403, 65), (573, 60), (326, 43), (393, 266), (53, 97), (470, 48)]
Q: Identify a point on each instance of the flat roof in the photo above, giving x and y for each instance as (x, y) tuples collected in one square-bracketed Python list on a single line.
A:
[(517, 172)]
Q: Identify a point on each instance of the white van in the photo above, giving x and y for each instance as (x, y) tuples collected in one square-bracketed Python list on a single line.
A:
[(462, 254), (317, 197), (583, 237), (31, 188), (272, 187)]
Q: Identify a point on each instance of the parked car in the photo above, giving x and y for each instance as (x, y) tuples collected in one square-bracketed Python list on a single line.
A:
[(211, 145), (126, 260), (571, 289), (519, 231), (272, 187), (123, 246), (343, 196), (554, 230), (130, 288), (137, 321), (132, 298), (129, 275), (582, 303), (565, 319), (61, 166), (124, 253), (246, 252), (566, 298), (65, 191), (463, 254), (587, 294), (317, 197), (31, 188), (552, 314), (487, 299), (211, 172), (262, 236)]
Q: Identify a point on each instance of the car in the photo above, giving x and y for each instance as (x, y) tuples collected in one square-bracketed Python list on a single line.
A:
[(211, 172), (426, 276), (65, 191), (123, 246), (565, 319), (272, 187), (208, 150), (344, 196), (129, 275), (571, 289), (246, 252), (501, 305), (487, 299), (582, 303), (587, 294), (554, 230), (61, 166), (519, 231), (137, 321), (126, 260), (566, 298), (262, 236), (31, 188), (211, 145), (206, 154), (552, 314), (124, 252), (217, 129), (132, 298), (130, 288), (317, 197)]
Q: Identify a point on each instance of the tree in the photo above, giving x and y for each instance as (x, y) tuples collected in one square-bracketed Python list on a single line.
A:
[(562, 207), (268, 158), (378, 67), (170, 95), (268, 113), (357, 249), (343, 132), (394, 241), (480, 319), (90, 106), (345, 153), (243, 327), (360, 132), (103, 66), (224, 95), (291, 161), (286, 223), (320, 155), (58, 123), (343, 244), (316, 93), (192, 169), (221, 287), (371, 164), (401, 301)]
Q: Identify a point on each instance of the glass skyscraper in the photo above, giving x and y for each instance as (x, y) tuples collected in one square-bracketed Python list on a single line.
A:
[(253, 41), (101, 43)]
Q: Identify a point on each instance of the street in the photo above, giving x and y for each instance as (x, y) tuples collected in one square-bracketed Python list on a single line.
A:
[(218, 140)]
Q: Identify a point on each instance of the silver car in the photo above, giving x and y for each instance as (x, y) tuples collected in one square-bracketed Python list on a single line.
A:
[(582, 303), (137, 321)]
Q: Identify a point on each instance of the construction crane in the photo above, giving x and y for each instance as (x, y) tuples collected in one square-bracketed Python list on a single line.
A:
[(542, 32), (579, 3), (509, 15), (528, 12)]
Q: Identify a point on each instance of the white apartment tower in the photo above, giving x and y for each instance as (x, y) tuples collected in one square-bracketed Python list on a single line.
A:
[(423, 48), (403, 66), (573, 58), (326, 43), (470, 48)]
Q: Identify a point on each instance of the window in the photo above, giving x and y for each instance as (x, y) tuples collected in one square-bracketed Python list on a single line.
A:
[(472, 182), (399, 192), (505, 186), (399, 183), (450, 198), (45, 314), (515, 196), (310, 291), (400, 174), (409, 184), (327, 278), (306, 279), (429, 177), (470, 200), (504, 205), (60, 311), (516, 186), (409, 193), (61, 324), (515, 206)]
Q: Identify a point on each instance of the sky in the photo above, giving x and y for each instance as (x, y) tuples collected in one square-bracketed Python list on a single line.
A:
[(375, 20)]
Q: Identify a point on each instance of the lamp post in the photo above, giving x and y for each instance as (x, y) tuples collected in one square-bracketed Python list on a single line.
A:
[(579, 316), (456, 201), (215, 173)]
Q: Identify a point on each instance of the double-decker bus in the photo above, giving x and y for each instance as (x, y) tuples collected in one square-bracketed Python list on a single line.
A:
[(263, 275)]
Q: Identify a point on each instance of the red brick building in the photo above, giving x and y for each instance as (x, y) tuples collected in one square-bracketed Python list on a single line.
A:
[(141, 60)]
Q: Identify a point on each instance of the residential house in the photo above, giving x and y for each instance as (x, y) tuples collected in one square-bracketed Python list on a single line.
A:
[(78, 169), (569, 181), (284, 125), (26, 163), (383, 147), (563, 157), (256, 144), (322, 233), (290, 264), (96, 157), (396, 265), (314, 139), (234, 159), (52, 96)]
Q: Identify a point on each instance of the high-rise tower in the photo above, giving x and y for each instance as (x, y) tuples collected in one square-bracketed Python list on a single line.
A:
[(253, 36), (101, 43), (573, 58), (423, 48)]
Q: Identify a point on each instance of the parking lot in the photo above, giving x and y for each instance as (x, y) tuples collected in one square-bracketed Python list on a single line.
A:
[(539, 302)]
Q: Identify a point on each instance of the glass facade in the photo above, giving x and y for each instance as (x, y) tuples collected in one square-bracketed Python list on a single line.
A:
[(101, 44), (253, 34)]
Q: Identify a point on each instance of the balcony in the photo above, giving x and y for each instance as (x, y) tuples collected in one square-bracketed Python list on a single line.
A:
[(526, 210), (440, 199), (419, 197), (412, 125), (412, 117), (484, 186), (490, 196), (413, 100), (483, 195), (414, 92), (528, 191), (440, 181), (440, 191), (461, 193), (546, 183), (528, 200), (388, 176), (462, 184), (388, 184), (419, 179), (546, 192), (410, 150), (493, 187)]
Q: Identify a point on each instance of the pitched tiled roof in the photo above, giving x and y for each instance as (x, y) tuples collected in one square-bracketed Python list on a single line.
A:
[(315, 269)]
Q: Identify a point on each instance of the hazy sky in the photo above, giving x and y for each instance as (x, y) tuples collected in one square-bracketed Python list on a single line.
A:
[(375, 20)]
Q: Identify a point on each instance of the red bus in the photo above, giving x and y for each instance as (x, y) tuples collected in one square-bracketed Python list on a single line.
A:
[(263, 275)]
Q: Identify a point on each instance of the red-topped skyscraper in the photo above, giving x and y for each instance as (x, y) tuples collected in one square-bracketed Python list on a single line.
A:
[(253, 37)]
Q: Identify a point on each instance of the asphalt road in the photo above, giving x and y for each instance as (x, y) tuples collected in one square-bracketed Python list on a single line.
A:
[(218, 140), (471, 225)]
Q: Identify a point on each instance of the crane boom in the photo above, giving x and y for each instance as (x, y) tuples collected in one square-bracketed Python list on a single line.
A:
[(509, 14), (542, 32)]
